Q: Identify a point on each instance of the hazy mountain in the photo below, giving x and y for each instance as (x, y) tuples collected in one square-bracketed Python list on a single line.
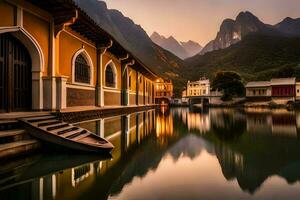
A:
[(191, 47), (181, 49), (134, 38), (232, 31), (289, 26), (256, 57)]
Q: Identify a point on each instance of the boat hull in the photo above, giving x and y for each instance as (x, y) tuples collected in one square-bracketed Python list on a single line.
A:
[(63, 142)]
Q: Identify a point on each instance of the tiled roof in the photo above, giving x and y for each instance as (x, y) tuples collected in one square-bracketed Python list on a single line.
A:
[(258, 84), (283, 81)]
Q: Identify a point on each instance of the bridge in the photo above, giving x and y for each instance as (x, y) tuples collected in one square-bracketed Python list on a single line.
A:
[(204, 100)]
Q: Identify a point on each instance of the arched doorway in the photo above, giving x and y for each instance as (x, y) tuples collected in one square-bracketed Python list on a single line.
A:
[(16, 75)]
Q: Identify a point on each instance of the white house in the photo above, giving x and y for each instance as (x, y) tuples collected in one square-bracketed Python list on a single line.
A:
[(198, 88)]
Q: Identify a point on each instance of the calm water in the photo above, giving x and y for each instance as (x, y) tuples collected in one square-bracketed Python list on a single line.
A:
[(172, 154)]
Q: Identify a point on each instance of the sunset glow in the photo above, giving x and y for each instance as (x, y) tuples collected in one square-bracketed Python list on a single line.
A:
[(199, 20)]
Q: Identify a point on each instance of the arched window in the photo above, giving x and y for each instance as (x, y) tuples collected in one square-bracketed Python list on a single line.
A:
[(82, 70), (110, 76)]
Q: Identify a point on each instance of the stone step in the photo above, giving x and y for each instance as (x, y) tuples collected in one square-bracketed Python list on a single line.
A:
[(13, 135), (9, 124), (17, 148)]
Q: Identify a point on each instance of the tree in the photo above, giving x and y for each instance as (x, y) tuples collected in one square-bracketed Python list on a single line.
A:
[(230, 83)]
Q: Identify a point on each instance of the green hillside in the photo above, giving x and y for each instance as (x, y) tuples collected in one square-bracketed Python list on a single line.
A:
[(256, 57)]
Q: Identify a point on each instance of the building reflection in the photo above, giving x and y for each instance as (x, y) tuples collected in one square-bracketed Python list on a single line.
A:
[(127, 133), (279, 122), (250, 145), (228, 124), (199, 122), (164, 125)]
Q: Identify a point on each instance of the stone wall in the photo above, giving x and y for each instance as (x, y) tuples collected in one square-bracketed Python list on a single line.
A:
[(79, 97)]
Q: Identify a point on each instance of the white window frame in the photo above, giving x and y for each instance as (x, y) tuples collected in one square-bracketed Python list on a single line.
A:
[(87, 57), (112, 64)]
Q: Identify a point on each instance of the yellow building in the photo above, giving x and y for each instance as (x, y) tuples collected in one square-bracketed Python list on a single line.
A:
[(198, 88), (54, 56), (163, 91)]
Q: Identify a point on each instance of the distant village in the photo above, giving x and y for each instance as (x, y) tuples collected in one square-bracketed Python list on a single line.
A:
[(276, 92)]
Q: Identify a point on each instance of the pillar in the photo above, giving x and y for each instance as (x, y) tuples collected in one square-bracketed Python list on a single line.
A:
[(137, 88), (37, 91), (61, 92), (149, 92), (100, 127), (144, 91), (153, 93), (137, 128), (99, 82), (124, 133), (124, 85)]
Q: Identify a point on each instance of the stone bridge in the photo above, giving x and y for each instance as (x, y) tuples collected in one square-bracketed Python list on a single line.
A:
[(204, 100)]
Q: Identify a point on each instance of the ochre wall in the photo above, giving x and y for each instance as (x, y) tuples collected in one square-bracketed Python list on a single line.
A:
[(105, 60), (40, 30), (141, 84), (112, 98), (132, 73), (141, 100), (132, 99), (7, 10), (69, 44)]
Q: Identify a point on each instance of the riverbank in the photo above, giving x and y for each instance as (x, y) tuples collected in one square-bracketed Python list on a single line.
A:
[(16, 141), (251, 104)]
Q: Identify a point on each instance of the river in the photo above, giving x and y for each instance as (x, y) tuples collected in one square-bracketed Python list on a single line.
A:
[(176, 153)]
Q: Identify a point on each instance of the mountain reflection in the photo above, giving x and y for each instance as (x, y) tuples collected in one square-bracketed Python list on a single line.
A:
[(227, 151)]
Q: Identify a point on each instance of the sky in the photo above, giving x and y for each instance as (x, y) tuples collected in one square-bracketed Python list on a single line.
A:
[(199, 20)]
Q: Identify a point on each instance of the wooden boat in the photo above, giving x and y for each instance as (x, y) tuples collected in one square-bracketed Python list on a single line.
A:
[(50, 129)]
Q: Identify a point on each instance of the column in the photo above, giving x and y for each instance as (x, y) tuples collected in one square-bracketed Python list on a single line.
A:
[(99, 84), (49, 82), (137, 128), (61, 92), (137, 88), (124, 84), (153, 93), (100, 127), (144, 92), (37, 90), (124, 133), (149, 93)]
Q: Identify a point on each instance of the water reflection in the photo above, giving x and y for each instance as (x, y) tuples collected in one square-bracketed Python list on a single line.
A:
[(173, 154)]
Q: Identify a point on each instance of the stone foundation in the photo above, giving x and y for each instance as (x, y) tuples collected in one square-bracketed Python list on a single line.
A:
[(79, 97), (74, 117)]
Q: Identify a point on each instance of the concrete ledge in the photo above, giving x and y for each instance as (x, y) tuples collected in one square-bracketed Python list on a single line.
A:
[(74, 115)]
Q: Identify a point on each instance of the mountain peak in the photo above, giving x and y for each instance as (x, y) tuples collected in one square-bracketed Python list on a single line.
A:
[(289, 26), (190, 42), (181, 49), (232, 31), (288, 19), (227, 24), (247, 14), (155, 34), (172, 38)]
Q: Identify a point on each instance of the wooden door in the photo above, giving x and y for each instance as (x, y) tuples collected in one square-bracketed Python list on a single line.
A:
[(15, 73)]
